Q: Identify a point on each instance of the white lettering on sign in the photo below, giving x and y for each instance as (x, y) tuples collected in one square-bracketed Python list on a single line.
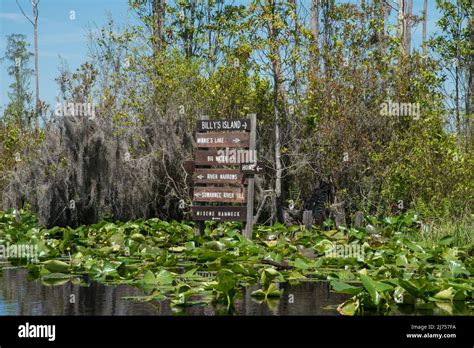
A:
[(228, 176), (212, 213), (249, 166), (223, 125), (218, 195), (210, 140)]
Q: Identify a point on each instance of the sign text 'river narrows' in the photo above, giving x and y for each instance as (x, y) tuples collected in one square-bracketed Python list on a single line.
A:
[(218, 176)]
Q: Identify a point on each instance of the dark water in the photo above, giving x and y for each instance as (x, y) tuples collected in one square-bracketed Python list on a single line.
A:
[(20, 296)]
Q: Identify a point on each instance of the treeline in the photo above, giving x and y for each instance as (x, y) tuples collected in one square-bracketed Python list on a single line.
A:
[(343, 100)]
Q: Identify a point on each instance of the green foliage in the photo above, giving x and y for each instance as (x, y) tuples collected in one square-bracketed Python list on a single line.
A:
[(17, 56), (169, 262)]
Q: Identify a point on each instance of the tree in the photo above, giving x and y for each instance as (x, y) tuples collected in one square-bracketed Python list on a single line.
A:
[(314, 22), (425, 21), (153, 14), (20, 96), (453, 45), (408, 25), (401, 27), (34, 22)]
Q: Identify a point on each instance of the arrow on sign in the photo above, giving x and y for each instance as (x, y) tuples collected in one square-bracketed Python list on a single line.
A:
[(252, 168), (198, 194), (200, 177), (236, 140)]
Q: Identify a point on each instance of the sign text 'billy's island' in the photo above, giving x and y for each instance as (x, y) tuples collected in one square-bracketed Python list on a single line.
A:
[(223, 125)]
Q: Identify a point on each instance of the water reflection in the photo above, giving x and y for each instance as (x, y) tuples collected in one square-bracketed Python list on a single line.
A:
[(20, 296)]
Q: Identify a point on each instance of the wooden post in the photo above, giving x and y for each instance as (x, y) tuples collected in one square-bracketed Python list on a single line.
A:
[(251, 180), (308, 219), (358, 219), (199, 225)]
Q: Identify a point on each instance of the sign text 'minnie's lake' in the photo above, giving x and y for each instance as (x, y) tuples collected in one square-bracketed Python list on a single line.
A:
[(220, 139)]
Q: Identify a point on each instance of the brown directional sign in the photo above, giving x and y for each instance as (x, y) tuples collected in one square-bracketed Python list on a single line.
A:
[(224, 157), (219, 180), (219, 194), (252, 168), (189, 166), (223, 125), (219, 213), (222, 139), (217, 176)]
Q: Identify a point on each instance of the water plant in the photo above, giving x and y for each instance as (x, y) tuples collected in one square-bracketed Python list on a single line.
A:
[(382, 266)]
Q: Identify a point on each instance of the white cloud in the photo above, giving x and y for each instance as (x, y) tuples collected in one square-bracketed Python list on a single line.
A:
[(13, 16)]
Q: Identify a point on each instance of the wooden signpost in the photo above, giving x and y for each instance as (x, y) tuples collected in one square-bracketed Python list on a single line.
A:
[(224, 125), (223, 169), (223, 157), (218, 176), (252, 168), (220, 213), (219, 194), (231, 139)]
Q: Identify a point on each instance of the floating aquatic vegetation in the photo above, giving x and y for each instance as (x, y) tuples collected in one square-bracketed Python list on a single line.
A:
[(381, 266)]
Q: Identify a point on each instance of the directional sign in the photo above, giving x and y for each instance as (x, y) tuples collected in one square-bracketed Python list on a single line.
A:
[(217, 176), (252, 168), (219, 194), (222, 146), (219, 213), (224, 157), (221, 139), (223, 125), (189, 166)]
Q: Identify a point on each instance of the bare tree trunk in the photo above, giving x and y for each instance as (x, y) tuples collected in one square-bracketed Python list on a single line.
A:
[(159, 8), (296, 43), (315, 40), (189, 36), (408, 25), (401, 26), (277, 88), (34, 4), (425, 19), (382, 14), (458, 113), (34, 23), (209, 37), (326, 13), (469, 98)]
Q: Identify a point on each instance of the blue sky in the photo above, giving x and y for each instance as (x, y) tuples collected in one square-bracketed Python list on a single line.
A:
[(58, 35)]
